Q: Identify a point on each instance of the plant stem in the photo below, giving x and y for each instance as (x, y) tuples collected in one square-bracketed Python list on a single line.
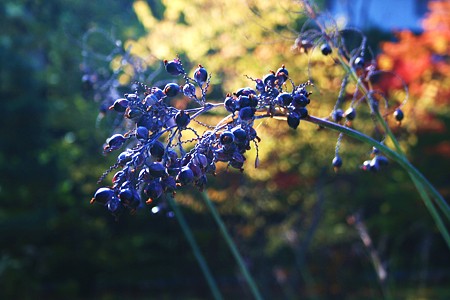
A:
[(198, 255), (418, 179), (232, 246)]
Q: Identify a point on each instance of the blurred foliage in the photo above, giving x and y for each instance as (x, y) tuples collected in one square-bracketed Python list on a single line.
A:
[(288, 217)]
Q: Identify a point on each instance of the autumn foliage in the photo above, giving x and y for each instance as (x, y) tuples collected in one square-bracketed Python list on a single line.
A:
[(423, 62)]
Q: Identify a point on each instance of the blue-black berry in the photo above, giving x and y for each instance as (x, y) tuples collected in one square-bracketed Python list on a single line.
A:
[(171, 89), (398, 115), (174, 67), (182, 119), (325, 49), (200, 75)]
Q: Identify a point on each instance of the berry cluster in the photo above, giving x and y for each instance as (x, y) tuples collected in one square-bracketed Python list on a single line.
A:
[(156, 161)]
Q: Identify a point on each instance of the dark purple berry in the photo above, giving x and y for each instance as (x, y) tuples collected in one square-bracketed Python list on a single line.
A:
[(200, 75), (299, 100), (103, 195), (174, 67), (124, 157), (156, 170), (200, 160), (120, 105), (153, 190), (359, 62), (171, 89), (302, 112), (186, 176), (337, 162), (189, 90), (126, 196), (157, 150), (284, 99), (182, 119), (240, 136), (114, 142), (398, 115), (282, 75), (337, 115), (381, 160), (247, 91), (226, 138), (115, 206), (230, 104), (350, 114), (270, 79), (325, 49), (142, 133), (243, 101), (158, 93), (260, 85), (246, 114), (196, 170), (169, 184), (293, 120)]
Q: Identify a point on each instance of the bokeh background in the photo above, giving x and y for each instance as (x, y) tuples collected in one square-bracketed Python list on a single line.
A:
[(298, 224)]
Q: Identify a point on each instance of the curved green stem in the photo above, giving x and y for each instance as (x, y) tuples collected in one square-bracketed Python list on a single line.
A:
[(232, 246), (418, 179), (198, 255)]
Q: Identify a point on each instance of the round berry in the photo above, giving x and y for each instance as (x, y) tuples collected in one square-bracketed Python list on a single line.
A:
[(269, 79), (240, 136), (120, 105), (103, 195), (260, 85), (189, 90), (142, 133), (350, 114), (115, 206), (171, 89), (186, 176), (325, 49), (182, 119), (200, 160), (337, 162), (226, 138), (247, 91), (200, 75), (230, 104), (174, 67), (337, 115), (284, 99), (282, 75), (157, 150), (114, 142), (398, 115), (359, 62), (299, 100), (124, 157), (293, 120), (302, 112), (153, 190), (156, 170), (246, 114), (381, 160)]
